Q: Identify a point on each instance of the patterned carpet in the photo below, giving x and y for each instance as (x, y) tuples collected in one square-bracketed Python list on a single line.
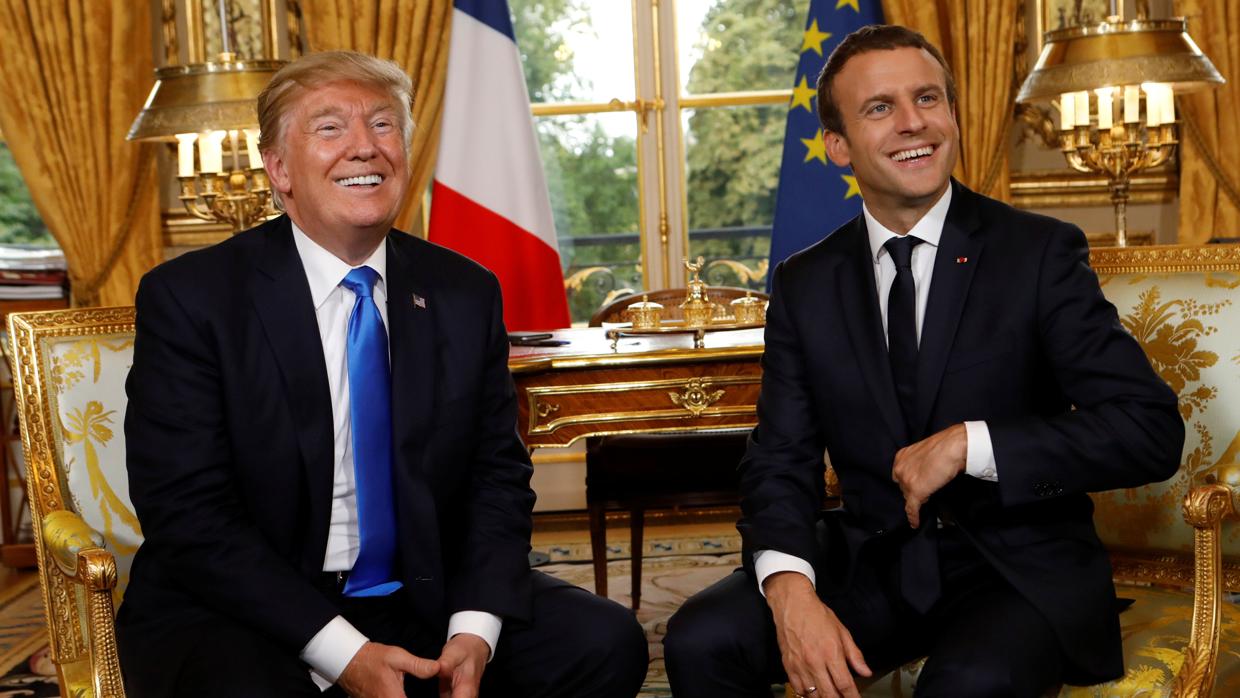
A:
[(25, 669)]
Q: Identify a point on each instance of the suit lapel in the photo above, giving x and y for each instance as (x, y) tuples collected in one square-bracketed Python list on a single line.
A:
[(411, 320), (412, 312), (859, 297), (286, 311), (960, 249)]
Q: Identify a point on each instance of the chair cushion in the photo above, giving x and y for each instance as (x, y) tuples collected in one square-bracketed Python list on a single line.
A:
[(1155, 632)]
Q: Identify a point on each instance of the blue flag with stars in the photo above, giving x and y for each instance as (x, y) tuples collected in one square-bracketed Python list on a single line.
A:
[(815, 197)]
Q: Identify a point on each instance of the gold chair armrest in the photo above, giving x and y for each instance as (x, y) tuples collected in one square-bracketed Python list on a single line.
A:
[(1205, 508), (78, 553), (78, 550)]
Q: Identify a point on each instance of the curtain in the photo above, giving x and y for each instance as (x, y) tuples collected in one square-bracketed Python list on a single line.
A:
[(978, 39), (72, 79), (1209, 130), (414, 33)]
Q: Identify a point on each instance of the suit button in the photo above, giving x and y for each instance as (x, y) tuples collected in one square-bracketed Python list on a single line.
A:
[(879, 531)]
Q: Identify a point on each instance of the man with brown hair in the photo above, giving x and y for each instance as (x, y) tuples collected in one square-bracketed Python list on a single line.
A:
[(323, 451), (957, 363)]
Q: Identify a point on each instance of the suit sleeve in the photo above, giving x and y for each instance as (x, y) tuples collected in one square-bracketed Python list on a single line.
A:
[(782, 471), (181, 482), (1125, 430), (494, 570)]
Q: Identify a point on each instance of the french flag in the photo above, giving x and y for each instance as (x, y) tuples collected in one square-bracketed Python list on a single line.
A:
[(489, 200)]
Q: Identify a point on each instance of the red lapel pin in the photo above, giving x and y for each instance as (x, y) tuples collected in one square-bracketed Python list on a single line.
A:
[(961, 260)]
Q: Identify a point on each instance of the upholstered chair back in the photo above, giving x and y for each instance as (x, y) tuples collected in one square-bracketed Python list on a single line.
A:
[(69, 381), (1183, 306)]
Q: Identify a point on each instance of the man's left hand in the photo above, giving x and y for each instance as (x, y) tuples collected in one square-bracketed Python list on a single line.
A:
[(461, 665), (923, 468)]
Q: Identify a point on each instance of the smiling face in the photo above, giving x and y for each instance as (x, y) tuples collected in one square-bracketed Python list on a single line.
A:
[(341, 167), (900, 135)]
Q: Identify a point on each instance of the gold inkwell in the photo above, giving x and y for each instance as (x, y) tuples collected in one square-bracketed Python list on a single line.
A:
[(645, 314), (697, 310), (749, 310)]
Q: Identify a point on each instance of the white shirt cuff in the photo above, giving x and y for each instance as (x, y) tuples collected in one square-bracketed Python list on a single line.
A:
[(979, 460), (330, 651), (768, 562), (484, 625)]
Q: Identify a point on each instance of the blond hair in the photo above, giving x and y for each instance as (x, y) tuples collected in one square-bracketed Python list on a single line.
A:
[(316, 70)]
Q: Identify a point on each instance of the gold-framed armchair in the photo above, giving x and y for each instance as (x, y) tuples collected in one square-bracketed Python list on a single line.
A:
[(69, 382), (1174, 547)]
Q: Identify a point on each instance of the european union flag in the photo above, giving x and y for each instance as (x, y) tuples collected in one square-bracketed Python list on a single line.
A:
[(815, 197)]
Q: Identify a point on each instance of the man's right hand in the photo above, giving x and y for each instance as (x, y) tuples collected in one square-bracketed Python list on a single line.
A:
[(816, 648), (378, 671)]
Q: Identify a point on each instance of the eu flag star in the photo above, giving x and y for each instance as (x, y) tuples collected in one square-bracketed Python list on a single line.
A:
[(848, 3), (814, 38), (815, 148), (802, 96), (853, 189)]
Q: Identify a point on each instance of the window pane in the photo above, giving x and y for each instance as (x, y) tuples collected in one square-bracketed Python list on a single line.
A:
[(735, 45), (733, 157), (575, 50), (20, 222), (591, 166)]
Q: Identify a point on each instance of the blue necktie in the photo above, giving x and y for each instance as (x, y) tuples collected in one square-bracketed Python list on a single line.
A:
[(370, 412)]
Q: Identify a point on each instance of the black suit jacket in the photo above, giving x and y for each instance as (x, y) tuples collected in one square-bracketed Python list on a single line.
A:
[(1016, 333), (230, 442)]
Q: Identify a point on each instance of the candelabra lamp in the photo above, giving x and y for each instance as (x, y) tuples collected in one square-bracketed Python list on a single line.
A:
[(1114, 84), (207, 108)]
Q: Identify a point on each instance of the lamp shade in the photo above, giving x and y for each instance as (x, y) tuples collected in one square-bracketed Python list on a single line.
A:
[(1115, 53), (202, 97)]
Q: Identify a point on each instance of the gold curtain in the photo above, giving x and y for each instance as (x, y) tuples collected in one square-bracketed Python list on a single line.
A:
[(415, 34), (978, 38), (1210, 133), (73, 74)]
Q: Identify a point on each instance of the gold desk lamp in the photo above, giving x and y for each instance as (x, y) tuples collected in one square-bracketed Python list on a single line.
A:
[(1115, 83)]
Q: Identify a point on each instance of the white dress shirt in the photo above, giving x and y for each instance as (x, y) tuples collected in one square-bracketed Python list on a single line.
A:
[(333, 647), (980, 457)]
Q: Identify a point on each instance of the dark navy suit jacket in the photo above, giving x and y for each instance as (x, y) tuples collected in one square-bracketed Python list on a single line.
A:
[(230, 443), (1016, 333)]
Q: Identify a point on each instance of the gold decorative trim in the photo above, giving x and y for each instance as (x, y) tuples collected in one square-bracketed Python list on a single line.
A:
[(1056, 188), (1204, 509), (540, 408), (535, 363), (96, 569), (1165, 259), (697, 396), (679, 429)]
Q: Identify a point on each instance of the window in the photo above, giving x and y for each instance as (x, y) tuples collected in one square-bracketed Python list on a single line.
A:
[(20, 223), (661, 128)]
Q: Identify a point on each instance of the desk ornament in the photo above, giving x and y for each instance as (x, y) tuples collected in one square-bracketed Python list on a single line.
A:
[(749, 310), (698, 310), (645, 314)]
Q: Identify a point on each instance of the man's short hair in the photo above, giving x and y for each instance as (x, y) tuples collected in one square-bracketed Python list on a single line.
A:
[(316, 70), (873, 37)]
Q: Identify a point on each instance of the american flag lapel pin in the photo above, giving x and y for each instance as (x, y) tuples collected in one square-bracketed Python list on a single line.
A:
[(419, 302), (959, 260)]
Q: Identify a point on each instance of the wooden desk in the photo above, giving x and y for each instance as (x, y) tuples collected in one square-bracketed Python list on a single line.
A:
[(647, 384)]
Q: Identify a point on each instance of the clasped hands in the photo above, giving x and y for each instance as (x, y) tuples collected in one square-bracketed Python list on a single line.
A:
[(818, 652), (378, 670)]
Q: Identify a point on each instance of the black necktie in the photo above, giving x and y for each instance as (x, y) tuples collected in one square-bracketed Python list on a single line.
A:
[(919, 560), (902, 325)]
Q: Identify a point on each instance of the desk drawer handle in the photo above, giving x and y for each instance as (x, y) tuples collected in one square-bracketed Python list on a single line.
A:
[(546, 408), (697, 396)]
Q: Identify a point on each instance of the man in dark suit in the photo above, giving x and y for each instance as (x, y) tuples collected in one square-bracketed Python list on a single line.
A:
[(959, 366), (323, 451)]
